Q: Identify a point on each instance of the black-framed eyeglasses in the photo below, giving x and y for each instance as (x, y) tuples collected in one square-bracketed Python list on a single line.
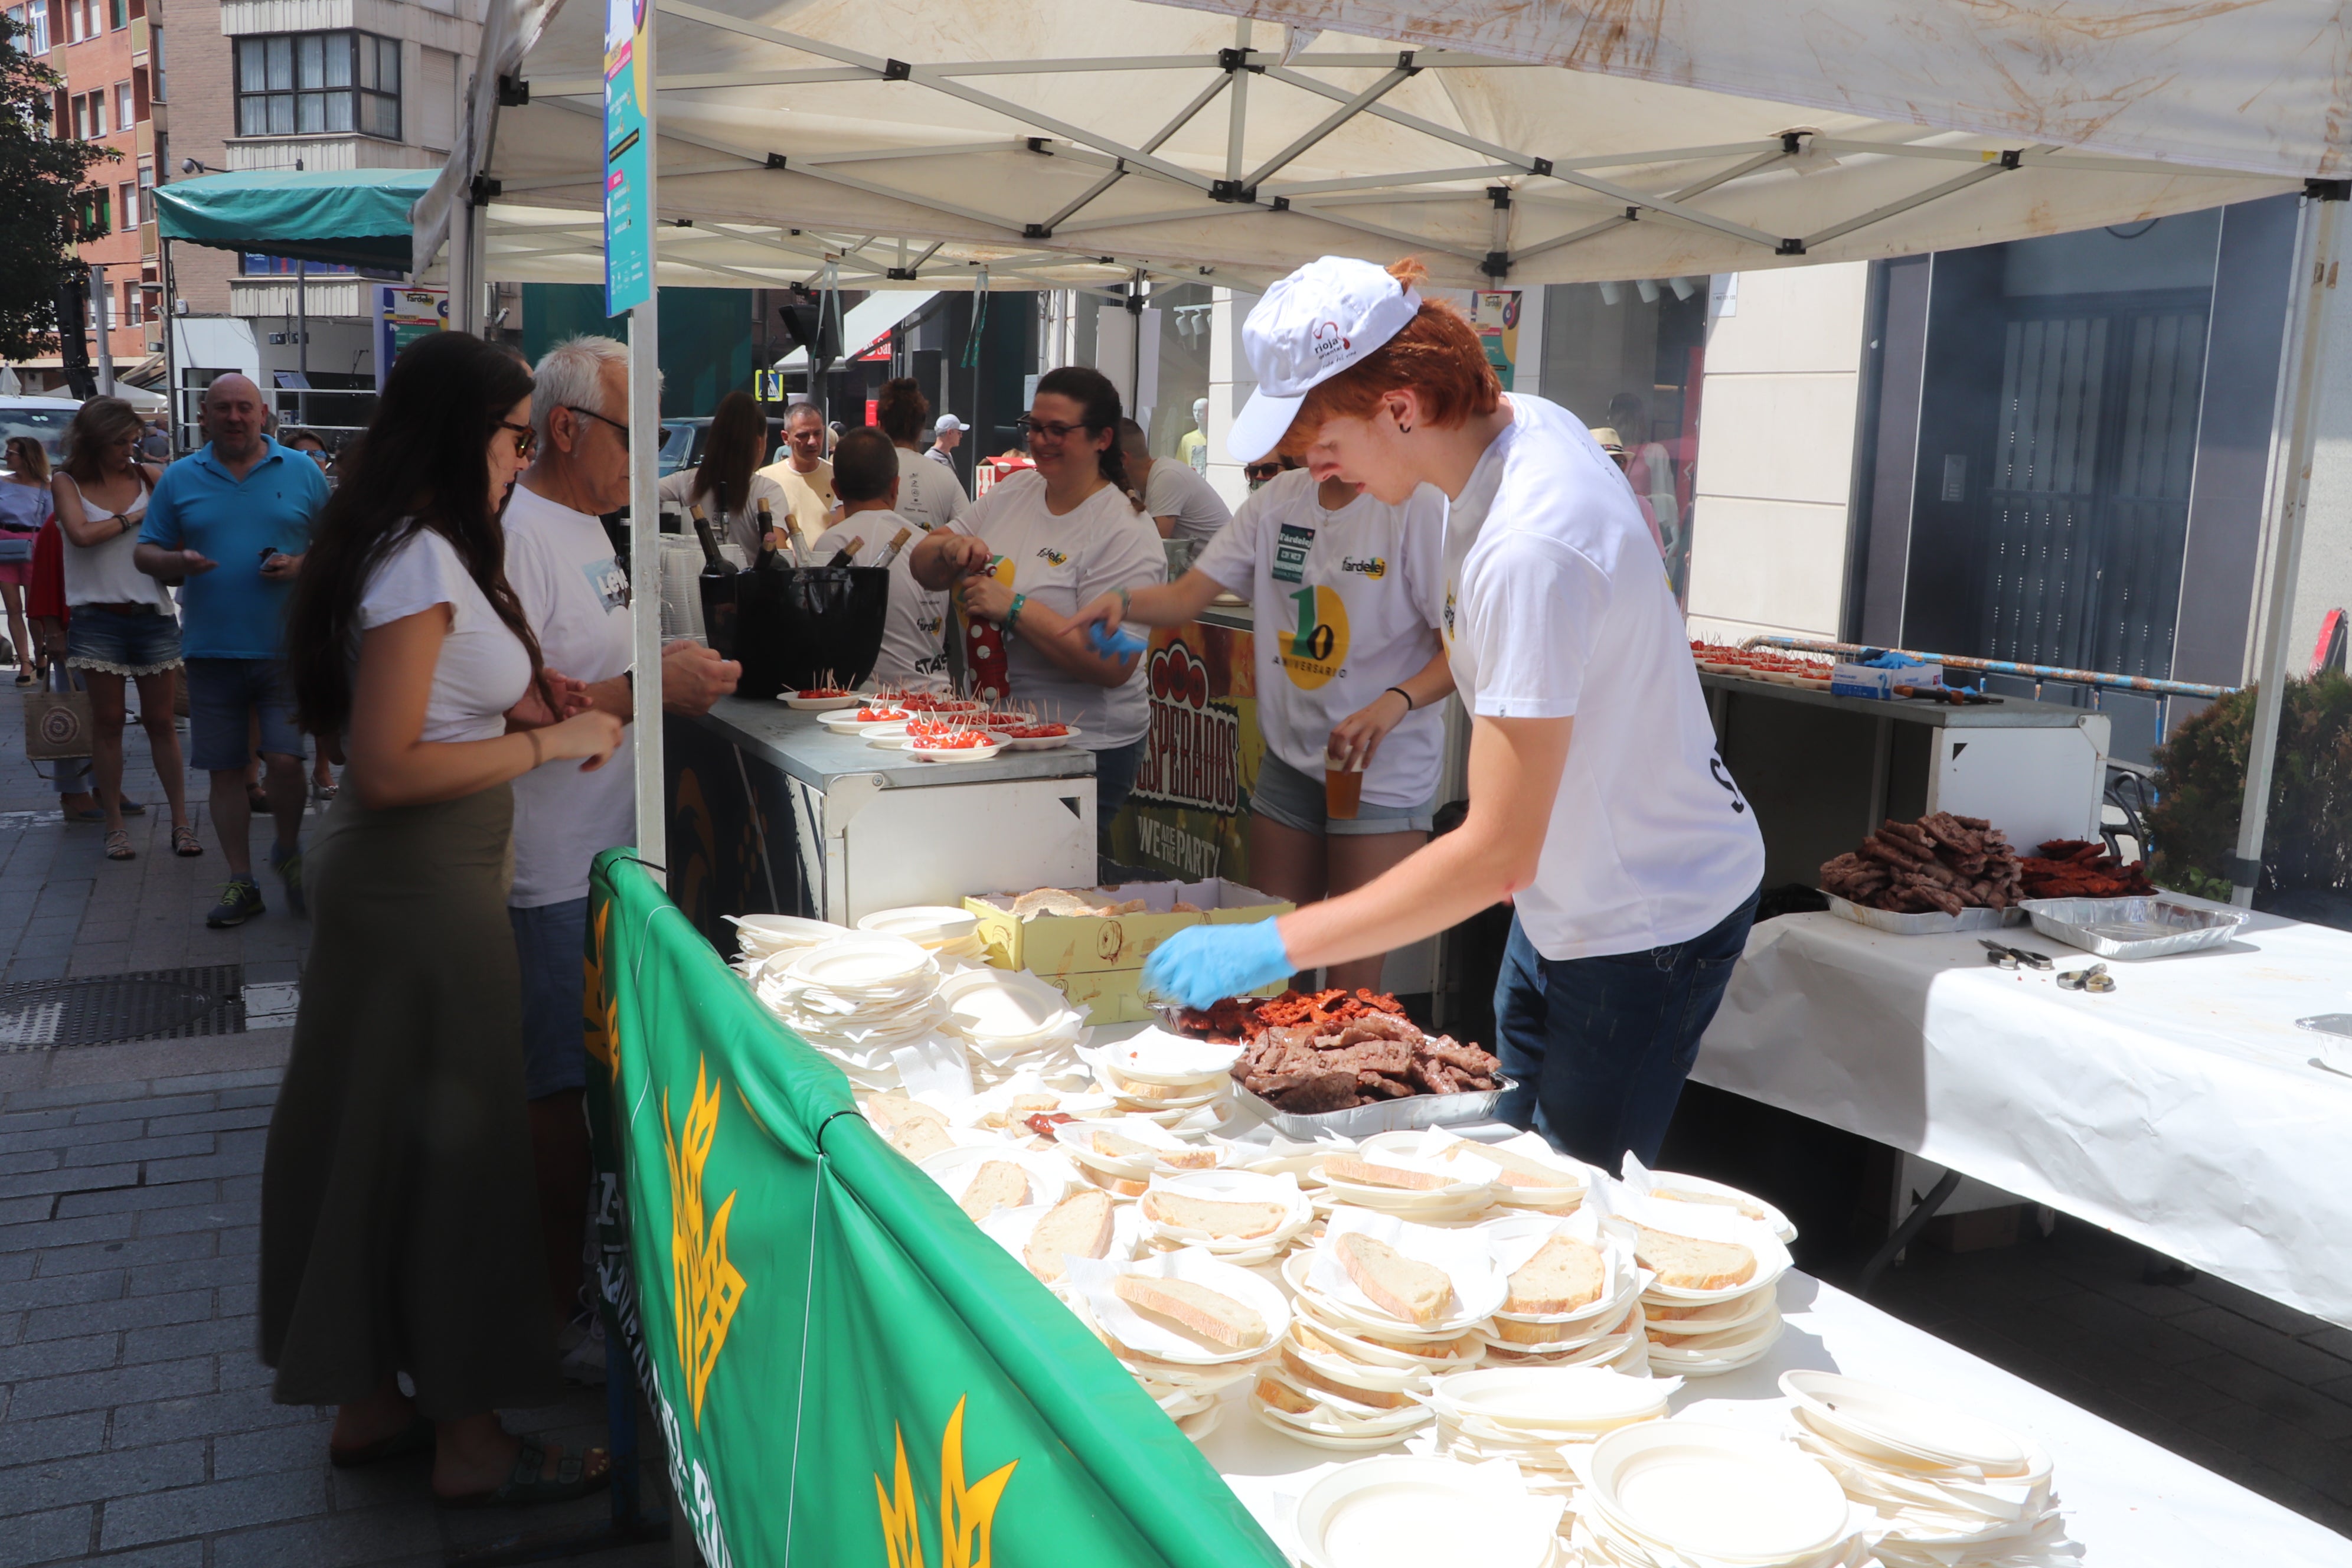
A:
[(591, 414), (1030, 426), (525, 439)]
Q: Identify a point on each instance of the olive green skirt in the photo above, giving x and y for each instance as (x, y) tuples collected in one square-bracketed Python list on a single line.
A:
[(399, 1212)]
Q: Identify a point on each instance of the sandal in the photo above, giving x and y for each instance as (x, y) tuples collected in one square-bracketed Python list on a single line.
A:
[(416, 1437), (527, 1487), (184, 842), (118, 846)]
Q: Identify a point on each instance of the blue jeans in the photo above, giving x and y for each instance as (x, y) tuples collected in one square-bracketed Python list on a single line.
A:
[(1114, 782), (1601, 1046), (551, 945)]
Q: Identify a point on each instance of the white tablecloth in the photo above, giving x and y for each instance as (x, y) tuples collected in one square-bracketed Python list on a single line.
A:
[(2183, 1109), (2130, 1503)]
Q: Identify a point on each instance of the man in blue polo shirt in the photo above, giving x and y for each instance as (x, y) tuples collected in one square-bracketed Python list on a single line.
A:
[(232, 521)]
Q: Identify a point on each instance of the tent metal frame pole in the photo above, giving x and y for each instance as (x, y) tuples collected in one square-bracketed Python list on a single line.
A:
[(1183, 117), (2318, 254), (1950, 187), (1397, 75), (645, 519), (1237, 121)]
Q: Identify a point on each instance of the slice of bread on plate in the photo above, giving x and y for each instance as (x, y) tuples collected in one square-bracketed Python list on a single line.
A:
[(1368, 1173), (1123, 1186), (1299, 1372), (1206, 1314), (1282, 1397), (920, 1140), (997, 1184), (1405, 1287), (1563, 1274), (1688, 1263), (1221, 1219), (1519, 1170), (896, 1109), (1077, 1227)]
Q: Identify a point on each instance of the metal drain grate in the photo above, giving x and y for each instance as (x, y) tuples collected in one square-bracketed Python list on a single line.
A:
[(106, 1009)]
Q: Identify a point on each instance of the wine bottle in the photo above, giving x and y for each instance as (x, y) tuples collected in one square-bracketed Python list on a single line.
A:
[(897, 545), (709, 543), (847, 554)]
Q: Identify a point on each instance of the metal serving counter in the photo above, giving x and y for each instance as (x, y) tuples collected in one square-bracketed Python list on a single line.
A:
[(772, 811)]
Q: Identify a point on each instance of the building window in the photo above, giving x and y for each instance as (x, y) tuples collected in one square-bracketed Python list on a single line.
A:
[(130, 317), (301, 84), (96, 217), (89, 115), (156, 91), (126, 202), (125, 114), (31, 23), (146, 193), (117, 13), (82, 20)]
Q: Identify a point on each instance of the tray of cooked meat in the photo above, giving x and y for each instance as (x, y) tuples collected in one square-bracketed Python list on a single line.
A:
[(1347, 1063)]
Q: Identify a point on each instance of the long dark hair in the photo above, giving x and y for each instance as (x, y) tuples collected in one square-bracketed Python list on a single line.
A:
[(420, 465), (738, 433), (97, 424), (1091, 390)]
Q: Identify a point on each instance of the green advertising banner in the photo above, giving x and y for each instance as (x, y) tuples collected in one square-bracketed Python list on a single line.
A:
[(846, 1372)]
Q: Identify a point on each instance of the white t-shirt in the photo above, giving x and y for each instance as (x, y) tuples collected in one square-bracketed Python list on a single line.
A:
[(483, 670), (575, 597), (913, 649), (1347, 606), (1555, 606), (1175, 490), (1064, 563), (742, 527), (929, 495)]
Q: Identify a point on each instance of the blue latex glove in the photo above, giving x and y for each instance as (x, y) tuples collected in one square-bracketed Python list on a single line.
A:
[(1115, 645), (1200, 964)]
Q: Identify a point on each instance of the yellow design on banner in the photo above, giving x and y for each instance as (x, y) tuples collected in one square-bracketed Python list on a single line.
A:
[(967, 1514), (706, 1286), (599, 1015), (1314, 651)]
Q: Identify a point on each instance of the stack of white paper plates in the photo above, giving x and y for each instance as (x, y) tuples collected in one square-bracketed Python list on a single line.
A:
[(1011, 1022), (1951, 1489), (1246, 1247), (871, 1004), (760, 937), (1665, 1494), (1541, 1419), (1410, 1512)]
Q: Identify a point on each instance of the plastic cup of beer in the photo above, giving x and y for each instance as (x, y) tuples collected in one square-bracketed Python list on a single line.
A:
[(1343, 787)]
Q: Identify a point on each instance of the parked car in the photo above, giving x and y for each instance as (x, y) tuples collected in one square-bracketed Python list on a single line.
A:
[(683, 440), (43, 417)]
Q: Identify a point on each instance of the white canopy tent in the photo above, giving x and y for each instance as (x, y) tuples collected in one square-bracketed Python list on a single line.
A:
[(1060, 143)]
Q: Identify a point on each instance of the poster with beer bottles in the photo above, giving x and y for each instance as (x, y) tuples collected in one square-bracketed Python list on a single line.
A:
[(1189, 815)]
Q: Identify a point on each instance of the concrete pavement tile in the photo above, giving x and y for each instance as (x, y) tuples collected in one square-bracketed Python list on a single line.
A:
[(26, 1211), (53, 1233), (14, 1162), (178, 1554), (213, 1507), (295, 1447), (232, 1120), (197, 1216), (168, 1194), (16, 1122), (195, 1274), (121, 1385), (114, 1313), (242, 1368), (132, 1252), (47, 1537), (209, 1336), (55, 1358), (78, 1179), (204, 1416), (37, 1296), (145, 1106), (106, 1477), (146, 1147), (52, 1437)]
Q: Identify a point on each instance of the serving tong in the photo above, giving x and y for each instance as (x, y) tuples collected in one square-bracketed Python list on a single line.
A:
[(2002, 956), (2095, 980)]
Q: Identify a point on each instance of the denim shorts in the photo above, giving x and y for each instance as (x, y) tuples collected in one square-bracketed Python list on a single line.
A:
[(1285, 794), (551, 943), (224, 694), (143, 642)]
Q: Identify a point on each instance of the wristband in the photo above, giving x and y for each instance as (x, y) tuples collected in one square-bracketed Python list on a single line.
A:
[(1401, 691), (1012, 611), (1126, 603), (532, 736)]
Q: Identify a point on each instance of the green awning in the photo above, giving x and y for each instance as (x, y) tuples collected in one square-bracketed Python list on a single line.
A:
[(355, 216)]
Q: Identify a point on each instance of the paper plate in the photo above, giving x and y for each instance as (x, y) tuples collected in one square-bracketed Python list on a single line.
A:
[(978, 753), (866, 962), (1127, 1324), (1155, 1055), (925, 925), (1732, 1314), (800, 704), (846, 719), (1410, 1512), (1723, 1492), (1724, 1345), (1701, 1189), (1563, 1399), (1233, 1187), (1038, 742), (1917, 1428)]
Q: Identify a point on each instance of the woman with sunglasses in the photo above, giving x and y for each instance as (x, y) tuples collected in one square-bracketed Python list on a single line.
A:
[(1597, 803), (400, 1227), (123, 626), (1042, 543)]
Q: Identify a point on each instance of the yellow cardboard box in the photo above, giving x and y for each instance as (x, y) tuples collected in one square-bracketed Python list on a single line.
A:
[(1098, 959)]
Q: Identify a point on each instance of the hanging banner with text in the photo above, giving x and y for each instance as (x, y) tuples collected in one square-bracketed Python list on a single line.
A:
[(628, 156), (846, 1370), (1189, 816)]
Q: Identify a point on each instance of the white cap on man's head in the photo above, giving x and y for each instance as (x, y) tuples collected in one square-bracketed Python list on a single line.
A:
[(1314, 323), (948, 422)]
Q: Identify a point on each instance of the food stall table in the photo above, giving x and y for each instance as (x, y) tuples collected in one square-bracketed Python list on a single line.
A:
[(773, 812), (2130, 1503), (2185, 1110)]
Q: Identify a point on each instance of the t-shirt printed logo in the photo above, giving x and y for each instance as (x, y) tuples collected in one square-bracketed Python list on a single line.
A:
[(608, 582), (1053, 557), (1373, 566), (1290, 548), (1315, 651), (1448, 616)]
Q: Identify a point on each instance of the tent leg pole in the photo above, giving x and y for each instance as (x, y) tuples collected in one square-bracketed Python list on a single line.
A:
[(2313, 293), (645, 579)]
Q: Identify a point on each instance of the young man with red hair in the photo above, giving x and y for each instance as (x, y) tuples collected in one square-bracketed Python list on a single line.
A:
[(1597, 803)]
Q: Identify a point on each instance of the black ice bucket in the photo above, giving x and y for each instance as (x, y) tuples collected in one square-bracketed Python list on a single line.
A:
[(797, 626)]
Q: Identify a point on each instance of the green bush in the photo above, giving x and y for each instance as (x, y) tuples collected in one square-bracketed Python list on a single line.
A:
[(2201, 780)]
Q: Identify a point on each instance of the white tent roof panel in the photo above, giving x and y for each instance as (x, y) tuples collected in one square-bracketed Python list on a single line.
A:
[(1072, 141)]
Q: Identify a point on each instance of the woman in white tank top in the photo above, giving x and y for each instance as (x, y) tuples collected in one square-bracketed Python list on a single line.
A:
[(123, 626)]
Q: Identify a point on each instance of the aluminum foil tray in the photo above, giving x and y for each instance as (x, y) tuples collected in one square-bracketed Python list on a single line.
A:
[(1409, 1114), (2142, 927), (1935, 922)]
